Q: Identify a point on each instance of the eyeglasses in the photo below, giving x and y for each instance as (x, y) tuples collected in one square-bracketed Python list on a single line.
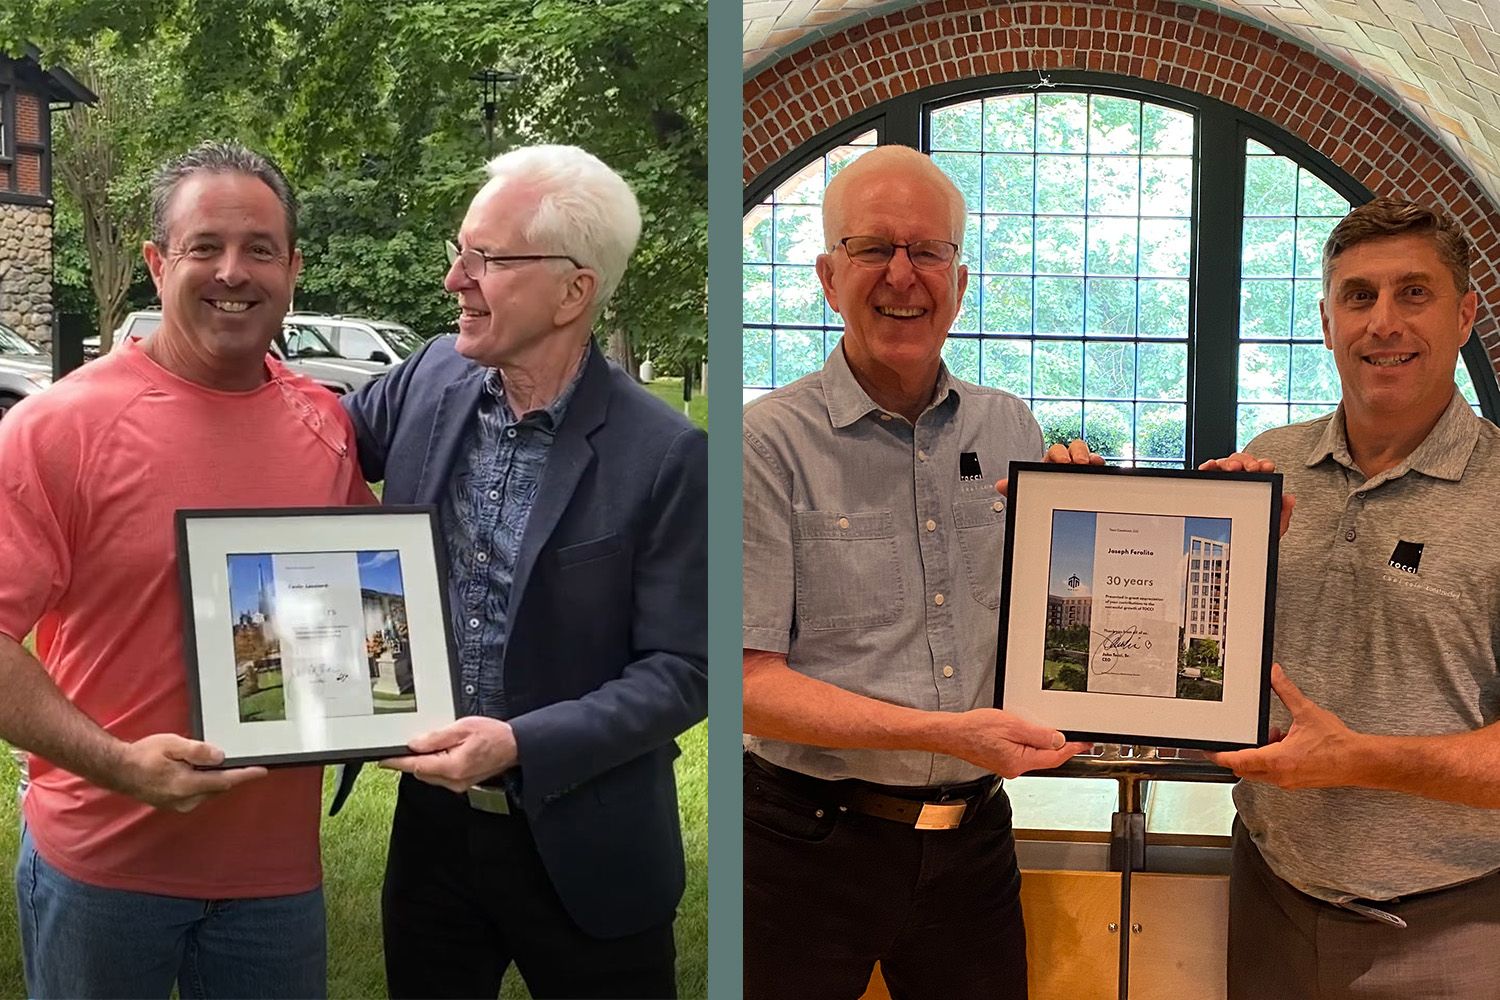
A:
[(925, 255), (474, 264)]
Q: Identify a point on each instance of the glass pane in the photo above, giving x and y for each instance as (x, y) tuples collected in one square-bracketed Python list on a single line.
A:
[(1263, 372), (1465, 383), (1114, 125), (973, 250), (756, 247), (1059, 305), (1166, 247), (805, 187), (1310, 411), (1253, 148), (1007, 244), (1161, 371), (969, 310), (1111, 308), (799, 297), (1270, 186), (1311, 235), (1110, 371), (1059, 246), (1161, 431), (799, 234), (757, 363), (1189, 807), (1007, 305), (1315, 378), (1039, 803), (1108, 429), (1254, 419), (1061, 123), (1009, 123), (1112, 245), (845, 155), (1164, 308), (1059, 184), (1307, 322), (963, 168), (1061, 422), (1265, 308), (962, 356), (1114, 185), (1165, 130), (1316, 198), (798, 353), (1167, 186), (1269, 248), (757, 289), (1007, 183), (1059, 368), (956, 127), (1007, 365)]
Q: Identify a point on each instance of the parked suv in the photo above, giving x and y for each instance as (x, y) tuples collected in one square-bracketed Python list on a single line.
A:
[(362, 339), (25, 369), (301, 348)]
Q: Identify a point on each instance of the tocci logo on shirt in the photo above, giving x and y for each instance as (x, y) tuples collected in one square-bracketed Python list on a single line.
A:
[(1407, 557)]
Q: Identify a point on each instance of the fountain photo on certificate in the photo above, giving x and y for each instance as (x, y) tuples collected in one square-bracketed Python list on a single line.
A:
[(323, 633), (1137, 604)]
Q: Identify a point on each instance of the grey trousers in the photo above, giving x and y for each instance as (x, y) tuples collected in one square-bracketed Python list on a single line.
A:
[(1286, 945)]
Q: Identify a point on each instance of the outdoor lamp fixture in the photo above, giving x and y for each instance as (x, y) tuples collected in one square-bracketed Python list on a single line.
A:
[(490, 81)]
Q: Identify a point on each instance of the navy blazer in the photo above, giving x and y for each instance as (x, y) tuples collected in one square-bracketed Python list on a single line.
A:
[(606, 660)]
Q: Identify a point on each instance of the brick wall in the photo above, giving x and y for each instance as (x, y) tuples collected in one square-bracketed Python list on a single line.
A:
[(28, 117), (1209, 53)]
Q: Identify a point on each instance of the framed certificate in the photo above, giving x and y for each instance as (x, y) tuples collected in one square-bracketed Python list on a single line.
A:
[(314, 635), (1138, 604)]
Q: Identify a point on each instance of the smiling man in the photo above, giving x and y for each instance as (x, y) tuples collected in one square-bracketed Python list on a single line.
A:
[(542, 827), (875, 825), (123, 891), (1368, 841)]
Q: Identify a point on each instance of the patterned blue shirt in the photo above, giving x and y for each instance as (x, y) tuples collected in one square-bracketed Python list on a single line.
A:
[(484, 514)]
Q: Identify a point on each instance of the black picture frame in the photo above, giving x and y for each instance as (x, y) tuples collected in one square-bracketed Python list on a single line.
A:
[(335, 704), (1095, 667)]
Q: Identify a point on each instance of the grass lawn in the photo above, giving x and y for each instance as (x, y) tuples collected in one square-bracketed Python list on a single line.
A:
[(669, 390)]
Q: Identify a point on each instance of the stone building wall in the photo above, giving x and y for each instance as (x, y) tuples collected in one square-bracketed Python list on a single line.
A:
[(26, 271)]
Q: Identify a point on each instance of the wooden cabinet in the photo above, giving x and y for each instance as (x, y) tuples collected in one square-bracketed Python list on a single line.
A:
[(1071, 953)]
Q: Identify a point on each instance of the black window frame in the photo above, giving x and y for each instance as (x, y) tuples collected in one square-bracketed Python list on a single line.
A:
[(1217, 220)]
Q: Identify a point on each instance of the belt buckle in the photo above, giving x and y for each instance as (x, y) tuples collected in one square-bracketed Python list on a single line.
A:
[(490, 800), (941, 815)]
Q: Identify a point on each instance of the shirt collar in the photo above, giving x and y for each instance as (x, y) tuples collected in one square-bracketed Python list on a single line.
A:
[(848, 402), (1443, 454)]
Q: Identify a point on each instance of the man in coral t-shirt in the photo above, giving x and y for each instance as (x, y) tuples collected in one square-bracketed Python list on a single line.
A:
[(136, 870)]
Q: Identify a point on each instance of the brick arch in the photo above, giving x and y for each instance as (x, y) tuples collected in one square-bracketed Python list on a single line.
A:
[(1209, 53)]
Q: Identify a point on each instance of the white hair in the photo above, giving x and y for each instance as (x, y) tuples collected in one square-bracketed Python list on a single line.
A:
[(584, 209)]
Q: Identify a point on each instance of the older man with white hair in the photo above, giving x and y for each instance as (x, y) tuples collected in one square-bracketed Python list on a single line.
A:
[(541, 828)]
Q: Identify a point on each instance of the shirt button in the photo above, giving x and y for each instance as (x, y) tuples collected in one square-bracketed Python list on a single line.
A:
[(931, 525), (473, 623), (885, 416), (937, 599), (843, 522), (999, 505), (1360, 495), (494, 494), (921, 455), (468, 689), (1349, 535), (510, 433), (947, 671), (482, 556)]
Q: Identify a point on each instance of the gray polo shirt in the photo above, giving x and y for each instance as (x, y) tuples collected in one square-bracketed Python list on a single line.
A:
[(873, 552), (1387, 614)]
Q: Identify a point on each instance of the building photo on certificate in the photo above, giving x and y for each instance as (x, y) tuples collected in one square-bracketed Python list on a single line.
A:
[(320, 633), (1137, 604)]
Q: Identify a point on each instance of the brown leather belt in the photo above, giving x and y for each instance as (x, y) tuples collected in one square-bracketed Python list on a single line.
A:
[(940, 807)]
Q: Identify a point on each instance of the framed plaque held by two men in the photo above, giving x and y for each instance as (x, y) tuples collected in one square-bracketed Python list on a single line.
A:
[(1139, 604)]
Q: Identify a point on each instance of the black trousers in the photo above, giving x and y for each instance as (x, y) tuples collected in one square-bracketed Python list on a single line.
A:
[(466, 895), (828, 893)]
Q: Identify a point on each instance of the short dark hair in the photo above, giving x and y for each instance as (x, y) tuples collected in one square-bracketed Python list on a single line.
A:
[(1386, 217), (218, 158)]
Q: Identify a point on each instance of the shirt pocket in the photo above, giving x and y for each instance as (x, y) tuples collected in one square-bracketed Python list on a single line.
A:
[(847, 572), (981, 538)]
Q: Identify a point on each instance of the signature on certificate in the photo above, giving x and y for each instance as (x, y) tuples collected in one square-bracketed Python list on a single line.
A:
[(1119, 642)]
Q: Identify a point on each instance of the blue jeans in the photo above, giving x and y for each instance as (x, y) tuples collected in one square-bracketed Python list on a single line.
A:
[(81, 940)]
